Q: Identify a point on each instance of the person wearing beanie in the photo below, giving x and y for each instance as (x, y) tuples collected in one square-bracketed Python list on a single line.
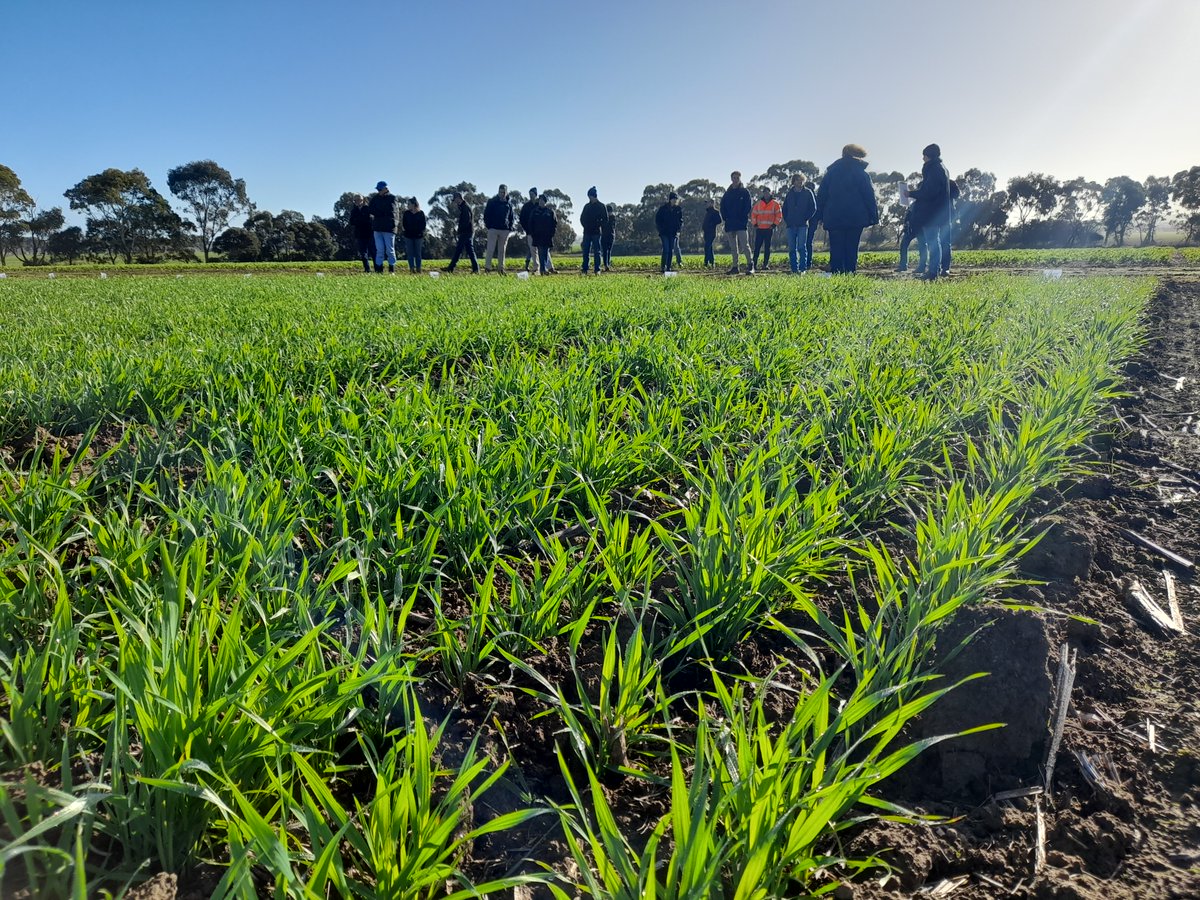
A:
[(932, 207), (384, 208), (765, 215), (608, 236), (669, 222), (498, 220), (364, 234), (593, 219), (466, 233), (523, 217), (735, 213), (798, 207), (846, 204), (712, 218), (412, 225)]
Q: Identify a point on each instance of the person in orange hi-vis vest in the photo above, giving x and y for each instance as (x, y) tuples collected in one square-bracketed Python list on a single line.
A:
[(764, 216)]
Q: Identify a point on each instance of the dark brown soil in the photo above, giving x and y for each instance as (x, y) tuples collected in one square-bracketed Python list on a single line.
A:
[(1132, 827)]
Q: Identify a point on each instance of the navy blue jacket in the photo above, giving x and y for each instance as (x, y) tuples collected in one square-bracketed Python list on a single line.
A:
[(383, 208), (799, 206), (542, 224), (735, 208), (412, 223), (526, 214), (712, 219), (360, 222), (669, 219), (932, 206), (498, 214), (846, 198), (466, 222)]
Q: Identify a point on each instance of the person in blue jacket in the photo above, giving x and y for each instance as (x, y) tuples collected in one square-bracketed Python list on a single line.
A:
[(385, 215), (846, 205), (542, 225), (593, 219), (498, 220), (798, 207), (523, 218), (931, 211), (466, 233), (669, 222), (735, 213)]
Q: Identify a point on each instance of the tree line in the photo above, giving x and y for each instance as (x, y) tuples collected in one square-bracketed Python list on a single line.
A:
[(128, 220)]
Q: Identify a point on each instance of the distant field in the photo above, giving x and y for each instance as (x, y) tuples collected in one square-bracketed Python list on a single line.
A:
[(368, 587)]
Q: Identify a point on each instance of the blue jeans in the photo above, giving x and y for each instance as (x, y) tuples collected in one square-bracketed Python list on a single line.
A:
[(808, 242), (710, 258), (412, 247), (669, 244), (591, 242), (797, 237), (933, 250), (544, 260), (385, 246), (467, 246), (905, 239)]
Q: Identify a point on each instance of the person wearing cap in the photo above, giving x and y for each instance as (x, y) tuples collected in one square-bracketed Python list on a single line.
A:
[(735, 213), (498, 220), (846, 204), (523, 217), (712, 218), (798, 207), (384, 208), (765, 215), (608, 236), (669, 222), (466, 234), (364, 234), (412, 225), (593, 218), (931, 211), (542, 225)]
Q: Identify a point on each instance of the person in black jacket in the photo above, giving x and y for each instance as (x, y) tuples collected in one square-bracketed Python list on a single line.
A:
[(412, 224), (931, 211), (798, 207), (498, 220), (384, 208), (735, 213), (608, 236), (846, 204), (712, 218), (593, 219), (466, 234), (364, 235), (542, 225), (669, 222), (523, 217)]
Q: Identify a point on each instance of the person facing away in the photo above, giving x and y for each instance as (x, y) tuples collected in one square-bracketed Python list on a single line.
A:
[(466, 233), (593, 218), (931, 209), (542, 225), (846, 204), (412, 226), (735, 213), (608, 236), (799, 204), (364, 233), (669, 222), (765, 215), (498, 220), (384, 207), (523, 218), (712, 218)]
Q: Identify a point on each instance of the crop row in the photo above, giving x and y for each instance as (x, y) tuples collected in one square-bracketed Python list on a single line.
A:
[(253, 532)]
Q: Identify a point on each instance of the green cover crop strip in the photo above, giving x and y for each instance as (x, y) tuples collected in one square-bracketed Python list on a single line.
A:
[(248, 525)]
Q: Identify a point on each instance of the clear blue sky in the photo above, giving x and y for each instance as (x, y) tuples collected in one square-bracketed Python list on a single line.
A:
[(308, 98)]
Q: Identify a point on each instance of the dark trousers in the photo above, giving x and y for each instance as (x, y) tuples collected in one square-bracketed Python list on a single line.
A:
[(710, 258), (843, 249), (762, 241), (467, 246), (366, 250), (606, 242)]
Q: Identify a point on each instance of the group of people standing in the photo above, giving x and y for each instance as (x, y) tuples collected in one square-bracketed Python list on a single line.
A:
[(844, 203)]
